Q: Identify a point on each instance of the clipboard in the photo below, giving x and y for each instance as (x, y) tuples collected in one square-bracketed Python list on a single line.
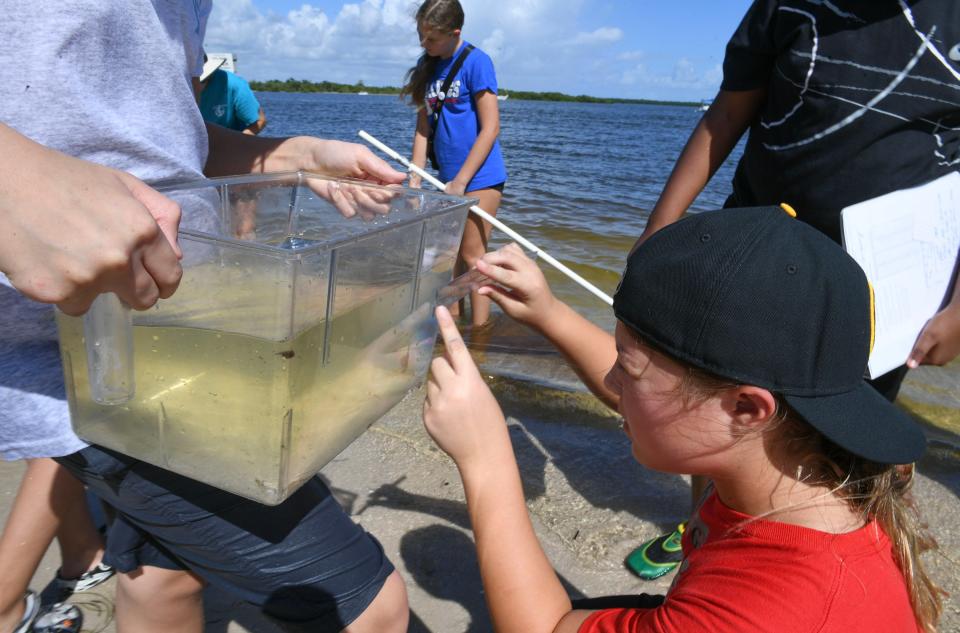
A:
[(907, 243)]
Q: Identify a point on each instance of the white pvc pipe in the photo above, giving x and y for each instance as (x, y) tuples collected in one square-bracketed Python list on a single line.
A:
[(530, 246)]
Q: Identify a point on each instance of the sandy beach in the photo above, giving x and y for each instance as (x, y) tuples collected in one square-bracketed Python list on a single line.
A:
[(590, 502)]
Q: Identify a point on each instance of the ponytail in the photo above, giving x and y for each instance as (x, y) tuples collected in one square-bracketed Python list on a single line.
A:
[(879, 492), (882, 492)]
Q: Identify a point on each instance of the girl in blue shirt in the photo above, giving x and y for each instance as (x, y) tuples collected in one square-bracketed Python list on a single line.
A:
[(465, 139)]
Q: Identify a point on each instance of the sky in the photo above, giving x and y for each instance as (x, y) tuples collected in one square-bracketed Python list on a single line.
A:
[(645, 49)]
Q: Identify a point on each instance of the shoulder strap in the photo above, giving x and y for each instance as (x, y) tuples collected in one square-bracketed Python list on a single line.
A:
[(457, 65)]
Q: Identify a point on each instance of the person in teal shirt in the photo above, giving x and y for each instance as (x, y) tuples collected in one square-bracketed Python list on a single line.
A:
[(227, 100)]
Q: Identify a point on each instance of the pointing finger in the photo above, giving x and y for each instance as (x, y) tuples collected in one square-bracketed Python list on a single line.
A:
[(456, 349), (920, 348)]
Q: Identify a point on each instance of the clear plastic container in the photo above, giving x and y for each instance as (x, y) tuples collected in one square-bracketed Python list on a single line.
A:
[(304, 314)]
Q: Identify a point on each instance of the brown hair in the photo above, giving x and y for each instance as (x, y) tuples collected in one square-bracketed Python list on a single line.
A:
[(445, 16), (872, 490)]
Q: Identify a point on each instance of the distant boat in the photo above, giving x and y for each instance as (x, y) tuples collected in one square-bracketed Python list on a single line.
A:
[(363, 92), (704, 106), (502, 97)]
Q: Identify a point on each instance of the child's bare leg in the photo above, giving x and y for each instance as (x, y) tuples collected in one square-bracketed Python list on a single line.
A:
[(81, 546), (475, 237), (155, 600), (388, 613), (50, 502), (26, 536), (459, 267)]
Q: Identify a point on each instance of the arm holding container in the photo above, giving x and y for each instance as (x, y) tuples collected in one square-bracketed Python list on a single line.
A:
[(236, 153), (72, 230)]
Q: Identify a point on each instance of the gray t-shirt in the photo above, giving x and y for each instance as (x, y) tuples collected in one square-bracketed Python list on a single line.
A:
[(108, 81)]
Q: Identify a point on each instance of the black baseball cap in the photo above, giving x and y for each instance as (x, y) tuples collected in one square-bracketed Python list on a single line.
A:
[(760, 298)]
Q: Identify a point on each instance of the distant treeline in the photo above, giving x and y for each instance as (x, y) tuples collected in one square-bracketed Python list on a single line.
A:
[(302, 85)]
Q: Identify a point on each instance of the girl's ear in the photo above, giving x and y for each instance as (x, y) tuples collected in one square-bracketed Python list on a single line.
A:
[(753, 405)]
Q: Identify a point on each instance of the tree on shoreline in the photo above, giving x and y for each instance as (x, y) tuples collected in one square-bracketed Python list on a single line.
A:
[(302, 85)]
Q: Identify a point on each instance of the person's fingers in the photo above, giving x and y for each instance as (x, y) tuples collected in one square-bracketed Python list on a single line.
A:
[(513, 247), (433, 391), (925, 342), (934, 356), (348, 202), (499, 296), (440, 370), (374, 168), (510, 256), (508, 301), (342, 203), (165, 211), (161, 263), (78, 303), (381, 199), (498, 273), (369, 200), (452, 341), (142, 291)]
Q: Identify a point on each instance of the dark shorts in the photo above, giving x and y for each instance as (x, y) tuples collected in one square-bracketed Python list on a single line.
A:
[(303, 560), (497, 187)]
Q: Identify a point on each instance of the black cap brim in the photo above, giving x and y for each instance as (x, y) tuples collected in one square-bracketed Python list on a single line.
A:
[(865, 423)]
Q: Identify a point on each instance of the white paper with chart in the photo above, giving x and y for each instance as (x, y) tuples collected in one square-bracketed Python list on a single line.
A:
[(907, 244)]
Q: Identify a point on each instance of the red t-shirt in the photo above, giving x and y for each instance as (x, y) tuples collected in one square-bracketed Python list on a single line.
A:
[(741, 575)]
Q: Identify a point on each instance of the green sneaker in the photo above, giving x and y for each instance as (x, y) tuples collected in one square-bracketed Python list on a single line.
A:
[(658, 556)]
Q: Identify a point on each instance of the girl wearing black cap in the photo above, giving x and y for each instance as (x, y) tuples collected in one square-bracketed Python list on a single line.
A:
[(740, 347), (840, 102)]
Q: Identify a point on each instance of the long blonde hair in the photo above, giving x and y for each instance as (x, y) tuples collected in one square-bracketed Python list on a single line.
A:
[(445, 16), (874, 491)]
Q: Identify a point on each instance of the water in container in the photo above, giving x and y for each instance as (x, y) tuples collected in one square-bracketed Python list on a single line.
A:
[(304, 314)]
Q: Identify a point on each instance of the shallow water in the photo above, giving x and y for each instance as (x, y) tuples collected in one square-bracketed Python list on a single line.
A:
[(582, 177), (582, 181)]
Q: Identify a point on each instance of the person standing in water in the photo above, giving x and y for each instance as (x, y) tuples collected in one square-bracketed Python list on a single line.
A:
[(459, 117)]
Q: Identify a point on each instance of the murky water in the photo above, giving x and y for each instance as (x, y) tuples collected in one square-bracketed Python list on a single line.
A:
[(256, 414)]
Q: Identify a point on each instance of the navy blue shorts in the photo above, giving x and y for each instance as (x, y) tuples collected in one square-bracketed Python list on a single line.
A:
[(303, 560)]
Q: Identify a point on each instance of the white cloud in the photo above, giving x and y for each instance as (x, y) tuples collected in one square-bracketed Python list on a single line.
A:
[(603, 35), (372, 39), (631, 56), (684, 78), (495, 45), (535, 44), (684, 72)]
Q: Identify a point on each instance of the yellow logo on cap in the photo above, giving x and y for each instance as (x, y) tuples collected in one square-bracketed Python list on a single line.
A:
[(873, 317), (789, 210)]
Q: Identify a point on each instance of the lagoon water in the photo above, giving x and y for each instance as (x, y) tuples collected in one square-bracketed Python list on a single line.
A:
[(582, 177), (582, 180)]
